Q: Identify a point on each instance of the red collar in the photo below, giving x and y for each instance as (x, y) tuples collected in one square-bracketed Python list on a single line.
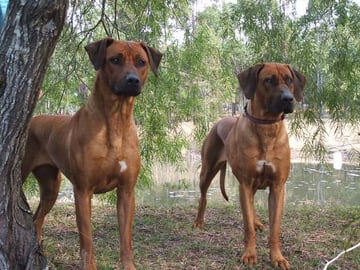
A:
[(262, 121)]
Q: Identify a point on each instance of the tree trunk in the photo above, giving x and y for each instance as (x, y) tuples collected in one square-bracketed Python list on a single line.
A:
[(27, 39)]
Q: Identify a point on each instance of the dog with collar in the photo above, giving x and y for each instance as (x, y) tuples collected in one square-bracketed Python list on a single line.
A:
[(256, 146)]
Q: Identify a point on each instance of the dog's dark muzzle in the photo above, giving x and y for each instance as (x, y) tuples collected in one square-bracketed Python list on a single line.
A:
[(284, 102), (130, 85), (287, 100)]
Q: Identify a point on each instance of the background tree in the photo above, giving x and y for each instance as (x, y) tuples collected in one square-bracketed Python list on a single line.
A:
[(1, 17), (322, 43), (26, 46), (203, 52), (327, 46)]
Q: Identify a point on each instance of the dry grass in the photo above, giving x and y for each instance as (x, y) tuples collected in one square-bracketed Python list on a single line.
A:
[(164, 239)]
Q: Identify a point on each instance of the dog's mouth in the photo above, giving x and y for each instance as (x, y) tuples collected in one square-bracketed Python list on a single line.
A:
[(126, 91), (130, 85), (280, 107), (289, 108), (284, 103)]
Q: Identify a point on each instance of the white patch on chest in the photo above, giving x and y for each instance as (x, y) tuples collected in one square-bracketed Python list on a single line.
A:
[(260, 166), (123, 166)]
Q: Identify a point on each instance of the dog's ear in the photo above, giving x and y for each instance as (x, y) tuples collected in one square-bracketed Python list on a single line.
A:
[(97, 51), (299, 81), (154, 57), (248, 79)]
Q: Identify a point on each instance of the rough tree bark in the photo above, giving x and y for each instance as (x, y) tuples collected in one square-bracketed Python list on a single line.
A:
[(27, 41)]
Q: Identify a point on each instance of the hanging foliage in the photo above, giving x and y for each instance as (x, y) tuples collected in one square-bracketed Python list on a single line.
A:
[(203, 51)]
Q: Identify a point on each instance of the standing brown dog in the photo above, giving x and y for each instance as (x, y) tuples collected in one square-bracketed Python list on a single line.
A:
[(97, 149), (256, 146)]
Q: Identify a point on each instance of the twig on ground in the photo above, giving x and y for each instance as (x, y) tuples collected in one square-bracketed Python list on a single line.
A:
[(340, 254)]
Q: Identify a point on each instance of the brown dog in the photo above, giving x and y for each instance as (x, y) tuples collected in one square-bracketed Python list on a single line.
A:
[(97, 148), (257, 148)]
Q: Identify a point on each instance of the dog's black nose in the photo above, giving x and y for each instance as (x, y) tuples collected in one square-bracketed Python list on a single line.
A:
[(287, 97), (132, 79), (287, 101), (129, 85)]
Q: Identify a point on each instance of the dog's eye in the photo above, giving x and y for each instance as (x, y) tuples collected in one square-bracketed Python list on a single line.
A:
[(269, 80), (116, 60), (289, 80), (140, 62)]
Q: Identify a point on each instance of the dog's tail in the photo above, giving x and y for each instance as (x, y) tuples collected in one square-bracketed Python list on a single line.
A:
[(222, 181)]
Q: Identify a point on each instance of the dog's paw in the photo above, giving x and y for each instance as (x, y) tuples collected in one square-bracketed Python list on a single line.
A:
[(249, 257), (198, 224), (280, 261), (128, 265), (258, 225)]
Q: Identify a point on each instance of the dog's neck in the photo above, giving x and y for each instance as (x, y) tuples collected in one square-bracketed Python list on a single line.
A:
[(260, 121), (266, 130), (101, 101), (115, 112)]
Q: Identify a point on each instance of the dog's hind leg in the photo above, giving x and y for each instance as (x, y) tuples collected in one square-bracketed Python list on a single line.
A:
[(257, 223), (49, 179), (213, 159), (206, 176)]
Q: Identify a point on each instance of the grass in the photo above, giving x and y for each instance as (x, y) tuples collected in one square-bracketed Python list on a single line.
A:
[(164, 239)]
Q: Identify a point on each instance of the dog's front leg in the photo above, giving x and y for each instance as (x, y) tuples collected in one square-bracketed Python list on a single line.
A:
[(248, 211), (126, 209), (83, 220), (276, 204)]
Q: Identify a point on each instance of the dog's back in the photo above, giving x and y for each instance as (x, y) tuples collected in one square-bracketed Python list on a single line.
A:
[(43, 128), (214, 142)]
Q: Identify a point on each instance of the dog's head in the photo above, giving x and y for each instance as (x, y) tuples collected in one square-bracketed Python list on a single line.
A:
[(123, 65), (276, 86)]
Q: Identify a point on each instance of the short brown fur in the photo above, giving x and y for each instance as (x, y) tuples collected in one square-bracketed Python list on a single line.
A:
[(97, 149), (257, 149)]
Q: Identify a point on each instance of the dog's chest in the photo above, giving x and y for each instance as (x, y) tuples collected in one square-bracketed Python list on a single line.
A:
[(272, 166), (110, 159), (272, 163), (265, 173), (111, 172), (119, 158)]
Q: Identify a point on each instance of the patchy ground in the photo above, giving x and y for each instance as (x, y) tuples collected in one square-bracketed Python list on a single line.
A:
[(164, 239)]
